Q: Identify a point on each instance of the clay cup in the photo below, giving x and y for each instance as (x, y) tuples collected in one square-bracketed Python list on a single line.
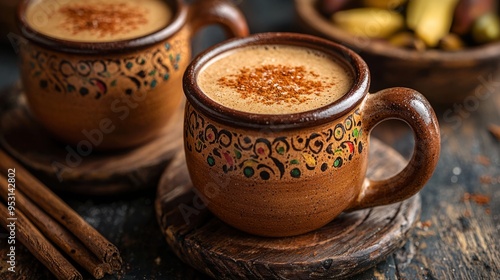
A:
[(284, 175), (114, 94)]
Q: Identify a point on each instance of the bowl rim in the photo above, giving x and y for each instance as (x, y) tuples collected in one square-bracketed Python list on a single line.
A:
[(307, 119), (178, 20), (310, 16)]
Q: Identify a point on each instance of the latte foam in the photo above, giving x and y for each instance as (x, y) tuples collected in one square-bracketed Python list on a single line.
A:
[(97, 21), (274, 79)]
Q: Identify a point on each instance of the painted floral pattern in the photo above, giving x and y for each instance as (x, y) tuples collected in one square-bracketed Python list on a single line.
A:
[(95, 78), (277, 157)]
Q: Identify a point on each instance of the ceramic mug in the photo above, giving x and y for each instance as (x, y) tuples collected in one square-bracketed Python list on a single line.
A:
[(283, 175), (115, 94)]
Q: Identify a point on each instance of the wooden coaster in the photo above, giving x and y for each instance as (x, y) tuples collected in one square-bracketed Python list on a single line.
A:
[(98, 173), (350, 244)]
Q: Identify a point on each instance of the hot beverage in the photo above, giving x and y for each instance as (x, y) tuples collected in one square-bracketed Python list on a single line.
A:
[(275, 79), (97, 21)]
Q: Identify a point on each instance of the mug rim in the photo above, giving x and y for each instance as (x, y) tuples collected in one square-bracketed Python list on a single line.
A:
[(318, 116), (60, 45)]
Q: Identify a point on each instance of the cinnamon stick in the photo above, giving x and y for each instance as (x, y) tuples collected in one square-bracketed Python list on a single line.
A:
[(60, 211), (61, 237), (495, 130), (39, 246)]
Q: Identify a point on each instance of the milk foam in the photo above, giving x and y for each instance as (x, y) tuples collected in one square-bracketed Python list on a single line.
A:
[(50, 17), (333, 75)]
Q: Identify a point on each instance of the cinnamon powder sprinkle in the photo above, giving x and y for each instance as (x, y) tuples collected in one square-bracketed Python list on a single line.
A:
[(426, 224), (485, 179), (477, 198), (483, 160), (103, 19), (275, 84)]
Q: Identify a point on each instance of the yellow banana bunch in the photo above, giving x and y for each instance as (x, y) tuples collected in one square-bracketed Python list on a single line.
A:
[(430, 19), (369, 22)]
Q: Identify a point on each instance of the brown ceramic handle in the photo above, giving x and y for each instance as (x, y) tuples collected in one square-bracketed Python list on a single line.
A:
[(223, 12), (410, 106)]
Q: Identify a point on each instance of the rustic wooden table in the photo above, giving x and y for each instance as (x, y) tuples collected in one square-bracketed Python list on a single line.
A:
[(457, 238)]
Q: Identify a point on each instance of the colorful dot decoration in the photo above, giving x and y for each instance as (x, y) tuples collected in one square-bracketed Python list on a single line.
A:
[(277, 157), (96, 77)]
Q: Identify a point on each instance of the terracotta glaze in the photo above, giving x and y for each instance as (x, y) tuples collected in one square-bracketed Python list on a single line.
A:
[(284, 175)]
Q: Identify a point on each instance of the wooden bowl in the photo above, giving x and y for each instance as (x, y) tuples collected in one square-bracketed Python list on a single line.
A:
[(463, 77)]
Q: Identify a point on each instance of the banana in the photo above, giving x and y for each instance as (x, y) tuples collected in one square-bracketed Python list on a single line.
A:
[(384, 4), (369, 22), (430, 19)]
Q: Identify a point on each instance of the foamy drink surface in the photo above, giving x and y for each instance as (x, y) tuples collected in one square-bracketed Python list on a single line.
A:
[(97, 21), (274, 79)]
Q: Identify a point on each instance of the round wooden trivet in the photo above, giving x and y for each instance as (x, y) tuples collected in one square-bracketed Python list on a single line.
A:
[(99, 173), (350, 244)]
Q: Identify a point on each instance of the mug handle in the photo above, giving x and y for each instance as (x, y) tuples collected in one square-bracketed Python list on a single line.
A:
[(411, 107), (223, 12)]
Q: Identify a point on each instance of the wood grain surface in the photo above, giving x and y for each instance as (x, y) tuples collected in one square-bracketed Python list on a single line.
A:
[(348, 245), (96, 173), (456, 238)]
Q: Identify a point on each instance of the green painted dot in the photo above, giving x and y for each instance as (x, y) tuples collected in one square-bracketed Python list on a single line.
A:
[(210, 161), (142, 61), (166, 76), (152, 72), (129, 65), (355, 133), (337, 162), (294, 161), (70, 88), (113, 83), (248, 171), (178, 57), (153, 83), (295, 173), (167, 46), (237, 153), (281, 150)]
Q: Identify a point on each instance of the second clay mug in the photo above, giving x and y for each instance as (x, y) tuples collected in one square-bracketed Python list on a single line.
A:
[(274, 173)]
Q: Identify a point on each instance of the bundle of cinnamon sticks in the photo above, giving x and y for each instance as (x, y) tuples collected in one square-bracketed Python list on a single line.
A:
[(50, 229)]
